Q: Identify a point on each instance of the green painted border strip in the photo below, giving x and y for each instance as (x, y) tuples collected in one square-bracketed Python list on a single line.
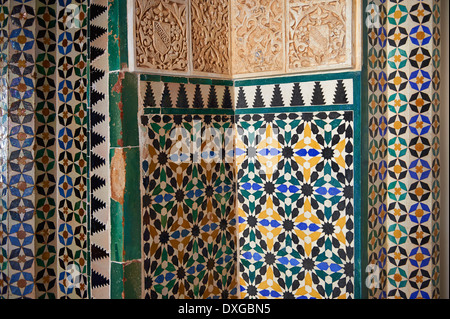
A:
[(185, 80), (150, 77), (116, 280), (123, 33), (174, 79), (113, 36), (357, 211), (131, 206), (169, 110), (297, 109), (200, 81), (298, 78), (155, 110), (364, 157), (223, 82)]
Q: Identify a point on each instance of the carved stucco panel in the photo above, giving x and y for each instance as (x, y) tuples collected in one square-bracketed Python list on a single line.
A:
[(317, 33), (210, 20), (161, 34), (258, 36)]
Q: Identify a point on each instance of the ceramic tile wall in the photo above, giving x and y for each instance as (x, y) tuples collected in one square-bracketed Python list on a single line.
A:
[(403, 187), (188, 196), (297, 203), (313, 249), (265, 201)]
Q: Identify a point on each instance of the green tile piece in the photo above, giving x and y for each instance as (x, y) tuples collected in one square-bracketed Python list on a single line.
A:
[(200, 81), (117, 284), (125, 204), (150, 77), (174, 79), (116, 231), (132, 206), (152, 110), (123, 109), (132, 280), (130, 110), (117, 35), (123, 33), (222, 82), (115, 108), (113, 35)]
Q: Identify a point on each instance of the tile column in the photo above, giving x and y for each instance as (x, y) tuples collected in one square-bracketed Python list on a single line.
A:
[(402, 59)]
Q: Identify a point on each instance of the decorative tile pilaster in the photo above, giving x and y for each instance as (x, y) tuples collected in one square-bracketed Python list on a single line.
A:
[(45, 155), (4, 49), (72, 148), (21, 138), (403, 107)]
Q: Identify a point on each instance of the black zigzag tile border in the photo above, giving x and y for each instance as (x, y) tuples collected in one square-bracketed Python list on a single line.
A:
[(311, 93), (99, 164), (181, 93)]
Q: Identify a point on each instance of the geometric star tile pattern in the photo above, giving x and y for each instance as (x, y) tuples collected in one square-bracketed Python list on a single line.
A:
[(189, 224), (295, 205)]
